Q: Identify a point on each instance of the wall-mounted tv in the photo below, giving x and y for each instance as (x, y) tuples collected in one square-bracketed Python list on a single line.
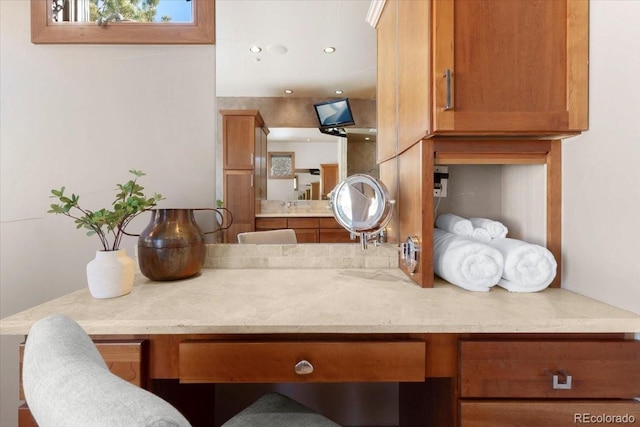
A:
[(334, 113)]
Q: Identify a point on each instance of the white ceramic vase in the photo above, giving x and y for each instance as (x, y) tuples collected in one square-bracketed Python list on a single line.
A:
[(110, 274)]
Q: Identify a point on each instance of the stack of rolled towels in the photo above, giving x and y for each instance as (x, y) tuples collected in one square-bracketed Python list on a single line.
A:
[(475, 254)]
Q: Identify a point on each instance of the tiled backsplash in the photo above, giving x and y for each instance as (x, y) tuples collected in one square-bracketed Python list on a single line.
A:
[(342, 255)]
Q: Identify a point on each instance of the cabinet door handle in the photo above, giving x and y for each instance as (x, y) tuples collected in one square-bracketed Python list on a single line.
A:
[(448, 103), (303, 367), (251, 180), (252, 159), (561, 381)]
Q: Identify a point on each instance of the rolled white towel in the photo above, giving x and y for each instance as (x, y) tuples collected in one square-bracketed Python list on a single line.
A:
[(496, 229), (527, 267), (465, 262), (454, 224), (481, 235)]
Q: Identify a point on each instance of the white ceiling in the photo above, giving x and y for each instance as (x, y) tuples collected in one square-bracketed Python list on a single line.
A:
[(305, 28)]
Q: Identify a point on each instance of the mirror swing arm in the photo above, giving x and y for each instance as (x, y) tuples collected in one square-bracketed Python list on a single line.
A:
[(44, 30)]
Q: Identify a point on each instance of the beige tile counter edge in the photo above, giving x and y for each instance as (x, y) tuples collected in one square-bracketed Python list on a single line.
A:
[(250, 301)]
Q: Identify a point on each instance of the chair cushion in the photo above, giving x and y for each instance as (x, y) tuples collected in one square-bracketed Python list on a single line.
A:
[(275, 409), (67, 383)]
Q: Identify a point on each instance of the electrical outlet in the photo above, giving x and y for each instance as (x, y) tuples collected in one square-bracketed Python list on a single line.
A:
[(440, 181)]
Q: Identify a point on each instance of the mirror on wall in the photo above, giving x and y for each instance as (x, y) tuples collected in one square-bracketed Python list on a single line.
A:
[(355, 154)]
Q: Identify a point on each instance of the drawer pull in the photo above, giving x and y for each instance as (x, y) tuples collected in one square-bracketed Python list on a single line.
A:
[(303, 367), (565, 384)]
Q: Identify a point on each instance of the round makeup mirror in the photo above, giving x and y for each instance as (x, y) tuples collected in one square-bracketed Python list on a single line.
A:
[(361, 204)]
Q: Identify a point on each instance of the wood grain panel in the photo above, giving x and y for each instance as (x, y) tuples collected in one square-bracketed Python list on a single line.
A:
[(330, 235), (386, 145), (413, 72), (545, 413), (306, 235), (518, 369), (270, 223), (303, 222), (389, 176), (239, 199), (257, 362), (329, 222)]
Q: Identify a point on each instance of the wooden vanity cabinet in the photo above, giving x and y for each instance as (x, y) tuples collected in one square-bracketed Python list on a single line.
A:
[(505, 383), (487, 67), (308, 229), (244, 150)]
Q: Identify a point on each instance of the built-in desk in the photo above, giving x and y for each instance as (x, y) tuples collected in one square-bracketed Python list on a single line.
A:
[(456, 354)]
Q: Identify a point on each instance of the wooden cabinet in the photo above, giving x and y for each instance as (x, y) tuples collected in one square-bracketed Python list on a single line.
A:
[(541, 381), (239, 198), (302, 361), (308, 229), (244, 149), (415, 183), (387, 138), (488, 67)]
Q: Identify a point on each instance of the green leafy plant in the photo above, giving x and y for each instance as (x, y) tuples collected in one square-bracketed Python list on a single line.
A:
[(108, 224)]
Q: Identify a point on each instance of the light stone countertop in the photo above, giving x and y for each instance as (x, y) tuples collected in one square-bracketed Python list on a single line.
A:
[(248, 301)]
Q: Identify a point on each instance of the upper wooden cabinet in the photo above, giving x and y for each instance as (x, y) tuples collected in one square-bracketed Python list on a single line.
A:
[(241, 135), (481, 67)]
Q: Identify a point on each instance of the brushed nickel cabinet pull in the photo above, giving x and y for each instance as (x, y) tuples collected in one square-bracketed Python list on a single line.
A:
[(561, 381), (252, 180), (303, 367), (448, 103), (252, 159)]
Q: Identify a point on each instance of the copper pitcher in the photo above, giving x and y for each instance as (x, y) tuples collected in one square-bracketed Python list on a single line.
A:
[(172, 246)]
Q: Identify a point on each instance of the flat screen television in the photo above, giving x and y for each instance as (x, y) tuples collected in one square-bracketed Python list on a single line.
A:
[(334, 113)]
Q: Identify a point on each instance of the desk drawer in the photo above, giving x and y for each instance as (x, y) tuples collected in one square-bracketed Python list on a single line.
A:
[(256, 362), (598, 369), (548, 413)]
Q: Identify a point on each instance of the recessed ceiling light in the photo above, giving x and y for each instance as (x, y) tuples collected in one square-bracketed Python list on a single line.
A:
[(339, 92), (329, 49), (288, 91), (255, 49)]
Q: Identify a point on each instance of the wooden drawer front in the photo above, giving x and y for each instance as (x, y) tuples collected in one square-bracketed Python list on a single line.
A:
[(335, 236), (126, 359), (303, 223), (329, 223), (548, 413), (270, 223), (598, 369), (256, 362), (306, 235)]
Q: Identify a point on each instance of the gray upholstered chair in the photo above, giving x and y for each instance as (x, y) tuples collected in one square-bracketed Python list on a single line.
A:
[(271, 237), (67, 384)]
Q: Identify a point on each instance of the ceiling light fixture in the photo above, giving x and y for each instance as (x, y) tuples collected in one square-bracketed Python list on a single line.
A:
[(255, 49), (288, 91), (339, 92), (329, 49)]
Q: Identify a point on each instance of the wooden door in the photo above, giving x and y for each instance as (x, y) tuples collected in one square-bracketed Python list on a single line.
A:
[(516, 66), (386, 139), (328, 178), (239, 198)]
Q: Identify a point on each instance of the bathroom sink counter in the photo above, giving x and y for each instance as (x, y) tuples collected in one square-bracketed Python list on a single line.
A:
[(300, 301)]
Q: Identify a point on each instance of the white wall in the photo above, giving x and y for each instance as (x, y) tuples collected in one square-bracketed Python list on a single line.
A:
[(601, 168), (82, 116)]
